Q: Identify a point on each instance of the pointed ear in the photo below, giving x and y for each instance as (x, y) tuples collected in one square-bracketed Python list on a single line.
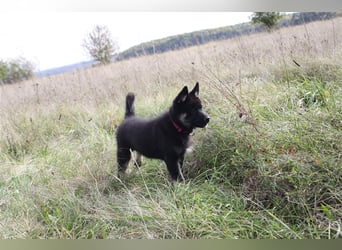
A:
[(181, 97), (195, 90)]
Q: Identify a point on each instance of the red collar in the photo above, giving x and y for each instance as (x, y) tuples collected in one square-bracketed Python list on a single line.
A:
[(177, 127)]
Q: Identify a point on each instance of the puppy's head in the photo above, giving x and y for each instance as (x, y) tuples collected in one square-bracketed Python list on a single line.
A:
[(188, 108)]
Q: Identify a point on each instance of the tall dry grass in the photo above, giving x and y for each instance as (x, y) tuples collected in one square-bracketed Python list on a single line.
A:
[(57, 144)]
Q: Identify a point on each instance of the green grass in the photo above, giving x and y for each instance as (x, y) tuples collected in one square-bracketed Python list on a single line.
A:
[(269, 164), (58, 176)]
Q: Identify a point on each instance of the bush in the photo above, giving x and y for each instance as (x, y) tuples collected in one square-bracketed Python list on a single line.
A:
[(15, 70)]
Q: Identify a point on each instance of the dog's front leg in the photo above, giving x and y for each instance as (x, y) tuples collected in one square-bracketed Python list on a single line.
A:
[(138, 159), (174, 166)]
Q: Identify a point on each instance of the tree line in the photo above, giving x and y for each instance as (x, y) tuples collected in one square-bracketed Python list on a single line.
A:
[(204, 36)]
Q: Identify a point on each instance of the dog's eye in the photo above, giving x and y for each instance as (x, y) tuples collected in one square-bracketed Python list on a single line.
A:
[(193, 111)]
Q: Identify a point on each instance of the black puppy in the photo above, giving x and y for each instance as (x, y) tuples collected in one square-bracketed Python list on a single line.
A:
[(165, 137)]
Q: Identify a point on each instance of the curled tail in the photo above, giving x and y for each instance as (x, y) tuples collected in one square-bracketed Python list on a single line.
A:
[(129, 105)]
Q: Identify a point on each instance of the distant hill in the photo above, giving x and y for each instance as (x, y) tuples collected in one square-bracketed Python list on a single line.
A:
[(197, 38), (189, 39), (204, 36), (66, 68)]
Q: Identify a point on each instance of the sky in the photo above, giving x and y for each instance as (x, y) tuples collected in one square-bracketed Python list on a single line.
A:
[(54, 39)]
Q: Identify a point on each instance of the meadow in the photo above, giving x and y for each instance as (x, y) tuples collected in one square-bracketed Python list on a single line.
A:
[(269, 164)]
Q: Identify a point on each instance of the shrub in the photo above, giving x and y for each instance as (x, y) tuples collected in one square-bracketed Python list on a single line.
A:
[(15, 70)]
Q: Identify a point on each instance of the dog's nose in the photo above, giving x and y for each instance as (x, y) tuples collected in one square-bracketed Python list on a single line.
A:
[(207, 119)]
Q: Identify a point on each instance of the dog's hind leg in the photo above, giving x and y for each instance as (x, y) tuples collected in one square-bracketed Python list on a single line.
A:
[(123, 157)]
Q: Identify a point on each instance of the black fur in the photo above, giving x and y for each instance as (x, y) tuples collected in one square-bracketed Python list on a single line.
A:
[(165, 137)]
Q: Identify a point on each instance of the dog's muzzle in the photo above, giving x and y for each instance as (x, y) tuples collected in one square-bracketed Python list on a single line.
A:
[(202, 120)]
